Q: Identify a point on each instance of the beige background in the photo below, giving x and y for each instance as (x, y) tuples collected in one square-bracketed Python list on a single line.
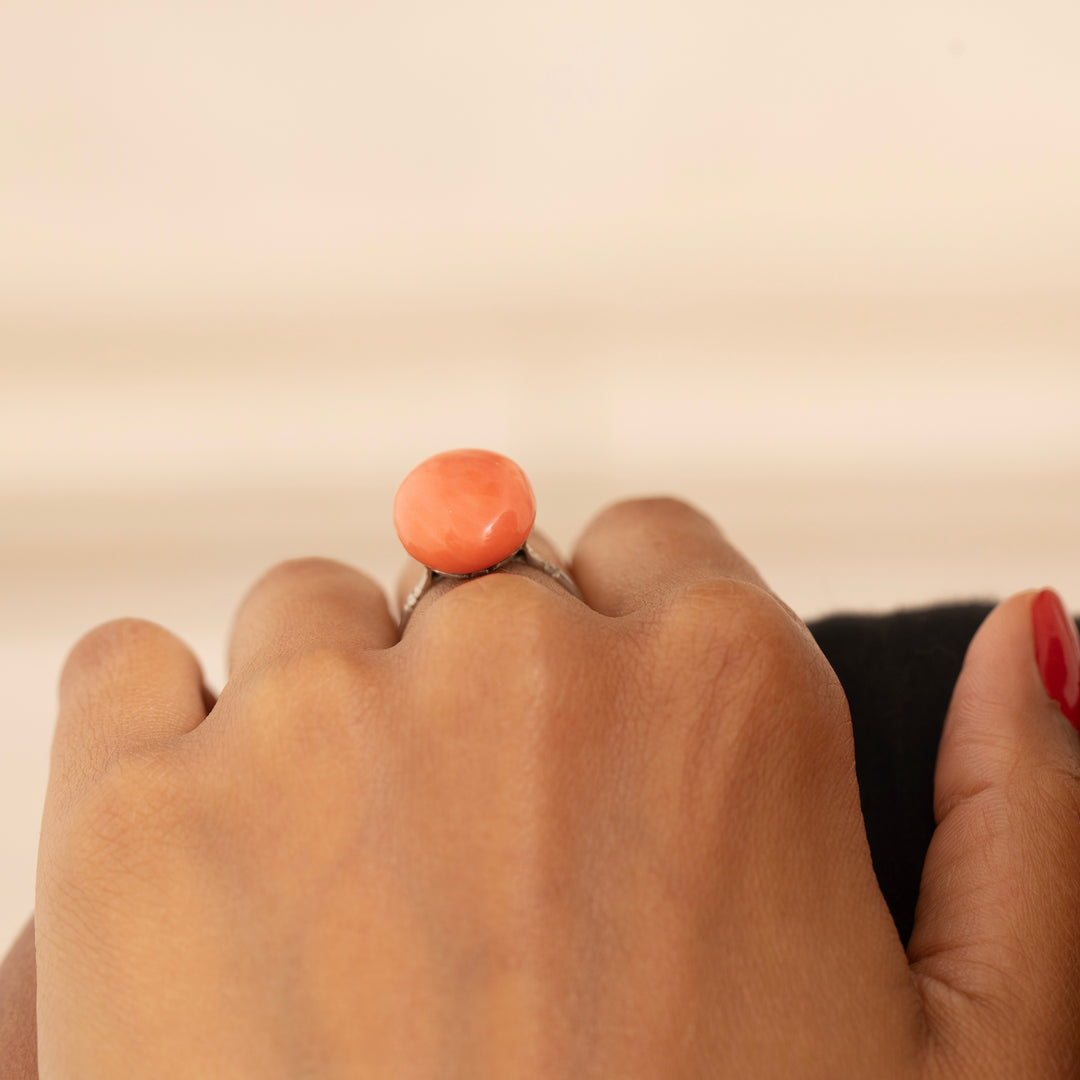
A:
[(816, 267)]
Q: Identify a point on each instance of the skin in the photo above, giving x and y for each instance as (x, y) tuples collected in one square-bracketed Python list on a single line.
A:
[(538, 837)]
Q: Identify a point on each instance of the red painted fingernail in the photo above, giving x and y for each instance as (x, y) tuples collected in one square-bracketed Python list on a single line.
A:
[(1057, 652)]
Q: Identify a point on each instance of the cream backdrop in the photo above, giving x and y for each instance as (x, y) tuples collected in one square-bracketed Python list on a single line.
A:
[(814, 266)]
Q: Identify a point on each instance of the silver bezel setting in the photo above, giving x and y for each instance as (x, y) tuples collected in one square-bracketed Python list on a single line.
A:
[(524, 554)]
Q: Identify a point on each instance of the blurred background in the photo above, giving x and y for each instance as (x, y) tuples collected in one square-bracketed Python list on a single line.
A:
[(815, 267)]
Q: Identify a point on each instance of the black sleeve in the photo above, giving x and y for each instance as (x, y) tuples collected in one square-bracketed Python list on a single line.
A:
[(898, 672)]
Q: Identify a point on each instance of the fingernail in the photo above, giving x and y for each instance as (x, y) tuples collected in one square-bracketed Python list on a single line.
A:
[(1057, 652)]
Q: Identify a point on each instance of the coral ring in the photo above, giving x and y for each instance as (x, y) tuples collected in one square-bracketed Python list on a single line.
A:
[(463, 513)]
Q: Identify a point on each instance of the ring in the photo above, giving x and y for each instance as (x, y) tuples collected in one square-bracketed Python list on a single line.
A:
[(466, 513)]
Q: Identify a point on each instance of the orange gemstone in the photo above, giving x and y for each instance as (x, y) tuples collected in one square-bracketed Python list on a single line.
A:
[(464, 510)]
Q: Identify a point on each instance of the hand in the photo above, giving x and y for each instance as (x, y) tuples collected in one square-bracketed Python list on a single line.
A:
[(542, 838)]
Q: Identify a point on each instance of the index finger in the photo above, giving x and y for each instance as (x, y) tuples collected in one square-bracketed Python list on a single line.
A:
[(637, 552)]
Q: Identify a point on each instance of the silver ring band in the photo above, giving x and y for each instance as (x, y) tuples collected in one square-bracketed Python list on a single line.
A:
[(524, 554)]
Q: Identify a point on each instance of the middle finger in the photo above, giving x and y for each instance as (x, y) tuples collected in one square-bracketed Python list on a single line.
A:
[(304, 603)]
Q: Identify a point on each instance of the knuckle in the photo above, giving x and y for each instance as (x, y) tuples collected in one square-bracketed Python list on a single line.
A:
[(306, 569), (298, 697), (505, 626), (107, 648), (734, 625), (304, 566), (737, 659), (505, 616), (314, 669), (647, 511)]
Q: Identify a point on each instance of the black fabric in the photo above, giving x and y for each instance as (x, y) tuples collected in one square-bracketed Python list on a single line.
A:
[(898, 672)]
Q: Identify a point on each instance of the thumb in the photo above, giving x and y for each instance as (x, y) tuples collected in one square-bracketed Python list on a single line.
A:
[(996, 945)]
